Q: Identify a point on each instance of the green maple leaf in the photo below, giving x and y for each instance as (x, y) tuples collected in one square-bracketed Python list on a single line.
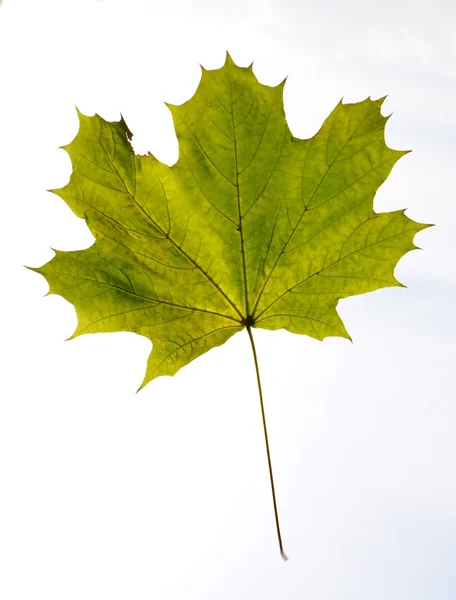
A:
[(252, 227)]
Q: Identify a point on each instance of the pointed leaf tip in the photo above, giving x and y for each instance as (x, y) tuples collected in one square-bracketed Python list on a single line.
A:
[(398, 283), (229, 59), (426, 225), (142, 386), (79, 113), (34, 269), (73, 336)]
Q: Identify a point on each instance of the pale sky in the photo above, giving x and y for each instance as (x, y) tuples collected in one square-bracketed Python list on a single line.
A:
[(164, 495)]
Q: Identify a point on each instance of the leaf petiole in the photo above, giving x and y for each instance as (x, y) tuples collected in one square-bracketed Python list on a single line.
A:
[(271, 477)]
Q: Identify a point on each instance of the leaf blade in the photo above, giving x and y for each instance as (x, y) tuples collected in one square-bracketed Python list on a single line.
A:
[(250, 226)]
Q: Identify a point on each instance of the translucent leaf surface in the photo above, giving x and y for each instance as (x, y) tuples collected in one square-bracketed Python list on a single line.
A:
[(251, 226)]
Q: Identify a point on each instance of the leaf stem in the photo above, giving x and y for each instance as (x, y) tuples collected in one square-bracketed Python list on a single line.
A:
[(271, 477)]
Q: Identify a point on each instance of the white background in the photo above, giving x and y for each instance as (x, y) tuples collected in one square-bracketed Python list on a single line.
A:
[(165, 495)]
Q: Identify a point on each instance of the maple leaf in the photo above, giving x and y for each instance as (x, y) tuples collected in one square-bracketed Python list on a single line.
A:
[(251, 227)]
